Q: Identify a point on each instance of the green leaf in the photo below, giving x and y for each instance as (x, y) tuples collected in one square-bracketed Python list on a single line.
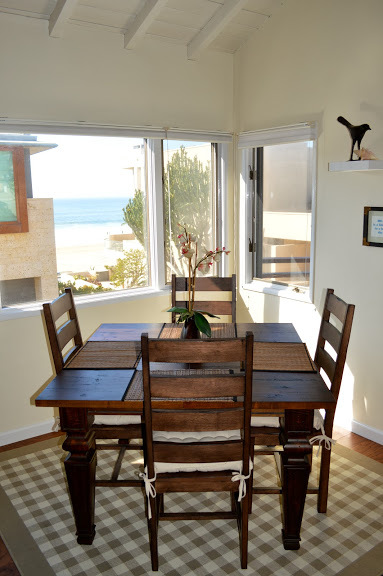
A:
[(202, 324), (177, 310), (207, 313)]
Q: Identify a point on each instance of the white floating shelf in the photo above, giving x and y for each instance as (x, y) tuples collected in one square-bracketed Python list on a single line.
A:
[(355, 165)]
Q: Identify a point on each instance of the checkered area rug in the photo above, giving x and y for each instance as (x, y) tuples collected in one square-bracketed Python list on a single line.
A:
[(35, 485)]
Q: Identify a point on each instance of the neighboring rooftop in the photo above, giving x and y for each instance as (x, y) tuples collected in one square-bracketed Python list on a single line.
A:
[(25, 141)]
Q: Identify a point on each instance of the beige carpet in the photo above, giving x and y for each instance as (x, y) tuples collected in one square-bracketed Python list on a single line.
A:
[(37, 526)]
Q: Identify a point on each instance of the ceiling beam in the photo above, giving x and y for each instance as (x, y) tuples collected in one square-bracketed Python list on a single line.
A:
[(59, 17), (142, 22), (215, 25)]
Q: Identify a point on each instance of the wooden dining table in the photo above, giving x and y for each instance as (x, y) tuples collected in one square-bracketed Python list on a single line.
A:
[(105, 376)]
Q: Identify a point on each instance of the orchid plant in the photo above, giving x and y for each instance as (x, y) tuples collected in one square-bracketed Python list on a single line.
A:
[(188, 245)]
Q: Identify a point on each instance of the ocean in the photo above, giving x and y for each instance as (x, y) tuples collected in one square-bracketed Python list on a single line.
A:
[(84, 221)]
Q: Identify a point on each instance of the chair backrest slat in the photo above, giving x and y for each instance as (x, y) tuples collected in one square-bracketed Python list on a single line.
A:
[(332, 335), (195, 387), (197, 421), (68, 331), (196, 351), (213, 307), (179, 452), (337, 307), (206, 284), (327, 363), (60, 306)]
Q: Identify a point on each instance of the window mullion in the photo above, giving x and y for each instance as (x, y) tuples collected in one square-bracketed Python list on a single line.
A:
[(258, 217), (221, 151), (156, 219)]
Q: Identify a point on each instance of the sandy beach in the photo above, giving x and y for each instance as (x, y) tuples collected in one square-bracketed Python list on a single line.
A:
[(89, 257)]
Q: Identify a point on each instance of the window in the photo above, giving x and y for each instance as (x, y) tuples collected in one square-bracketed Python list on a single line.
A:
[(13, 196), (279, 208), (188, 197), (100, 209)]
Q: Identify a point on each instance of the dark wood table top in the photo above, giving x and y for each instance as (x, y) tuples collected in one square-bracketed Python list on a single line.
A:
[(109, 388)]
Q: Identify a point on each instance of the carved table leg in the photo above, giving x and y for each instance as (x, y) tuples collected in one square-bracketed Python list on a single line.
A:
[(80, 467), (295, 473)]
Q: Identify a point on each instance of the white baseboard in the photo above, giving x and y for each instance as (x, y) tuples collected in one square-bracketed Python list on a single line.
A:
[(27, 432), (367, 432)]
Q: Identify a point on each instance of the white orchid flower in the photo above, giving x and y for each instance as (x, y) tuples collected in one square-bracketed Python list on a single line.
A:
[(187, 252), (204, 268)]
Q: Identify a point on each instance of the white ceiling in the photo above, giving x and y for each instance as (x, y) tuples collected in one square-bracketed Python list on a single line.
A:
[(220, 25)]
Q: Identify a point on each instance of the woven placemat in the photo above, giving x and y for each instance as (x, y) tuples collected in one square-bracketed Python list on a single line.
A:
[(282, 356), (218, 330), (105, 355)]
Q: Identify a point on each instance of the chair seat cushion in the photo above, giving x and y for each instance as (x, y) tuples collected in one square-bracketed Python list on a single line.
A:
[(187, 437), (269, 421), (171, 467), (117, 419)]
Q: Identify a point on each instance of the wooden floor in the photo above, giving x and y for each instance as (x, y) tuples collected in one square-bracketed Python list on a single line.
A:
[(343, 437)]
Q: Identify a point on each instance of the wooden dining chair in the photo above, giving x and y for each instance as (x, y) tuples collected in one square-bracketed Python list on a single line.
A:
[(65, 341), (329, 359), (189, 446), (212, 284)]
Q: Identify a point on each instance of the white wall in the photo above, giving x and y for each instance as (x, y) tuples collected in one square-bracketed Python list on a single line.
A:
[(316, 61), (26, 365), (89, 76)]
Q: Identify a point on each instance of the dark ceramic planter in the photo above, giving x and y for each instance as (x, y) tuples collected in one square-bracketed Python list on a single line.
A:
[(190, 330)]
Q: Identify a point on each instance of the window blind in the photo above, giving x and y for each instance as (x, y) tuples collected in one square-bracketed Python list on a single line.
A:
[(86, 129), (293, 133)]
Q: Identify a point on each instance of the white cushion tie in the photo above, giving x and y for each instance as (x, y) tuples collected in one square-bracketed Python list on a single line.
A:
[(149, 488), (56, 424), (238, 476), (322, 438)]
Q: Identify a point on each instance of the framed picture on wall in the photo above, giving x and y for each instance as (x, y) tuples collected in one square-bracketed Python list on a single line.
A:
[(373, 226)]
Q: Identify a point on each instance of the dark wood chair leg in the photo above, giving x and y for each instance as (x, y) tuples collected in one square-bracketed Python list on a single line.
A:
[(251, 478), (324, 480), (118, 463), (161, 506), (232, 502), (245, 527), (153, 533)]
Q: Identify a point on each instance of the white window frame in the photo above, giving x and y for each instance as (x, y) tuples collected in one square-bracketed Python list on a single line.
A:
[(153, 137), (246, 142)]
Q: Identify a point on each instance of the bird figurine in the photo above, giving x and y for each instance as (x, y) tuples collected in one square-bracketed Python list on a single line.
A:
[(356, 133)]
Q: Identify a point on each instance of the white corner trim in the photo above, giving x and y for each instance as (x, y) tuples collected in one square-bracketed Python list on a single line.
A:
[(367, 432), (279, 290), (27, 432), (90, 300)]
